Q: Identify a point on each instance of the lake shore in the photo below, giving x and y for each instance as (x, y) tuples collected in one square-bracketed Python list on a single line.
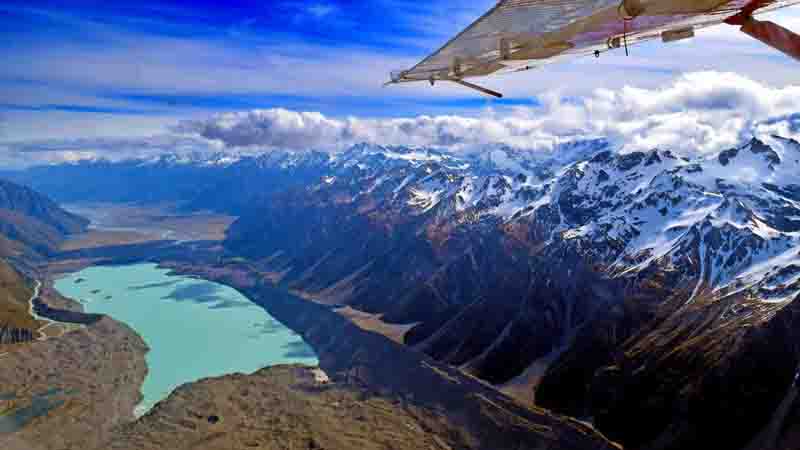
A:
[(195, 328), (451, 408), (376, 364)]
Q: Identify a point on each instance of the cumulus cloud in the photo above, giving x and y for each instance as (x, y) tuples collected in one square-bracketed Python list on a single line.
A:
[(698, 112)]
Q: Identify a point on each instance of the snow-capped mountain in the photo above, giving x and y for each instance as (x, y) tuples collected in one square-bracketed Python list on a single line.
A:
[(587, 271), (217, 159), (732, 218), (729, 221), (633, 284)]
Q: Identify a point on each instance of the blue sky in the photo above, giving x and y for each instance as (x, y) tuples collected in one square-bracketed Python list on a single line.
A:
[(166, 56), (81, 69)]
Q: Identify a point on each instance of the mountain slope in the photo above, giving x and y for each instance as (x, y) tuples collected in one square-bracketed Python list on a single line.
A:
[(16, 325), (25, 201), (509, 260), (31, 226), (31, 223), (612, 285), (451, 222)]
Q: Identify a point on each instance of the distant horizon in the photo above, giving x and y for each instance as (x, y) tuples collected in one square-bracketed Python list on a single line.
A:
[(229, 156)]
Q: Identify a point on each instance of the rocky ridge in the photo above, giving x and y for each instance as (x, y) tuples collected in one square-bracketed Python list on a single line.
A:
[(614, 285), (655, 255)]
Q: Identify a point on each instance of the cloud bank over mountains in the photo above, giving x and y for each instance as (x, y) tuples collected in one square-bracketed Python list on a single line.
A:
[(703, 111), (697, 112)]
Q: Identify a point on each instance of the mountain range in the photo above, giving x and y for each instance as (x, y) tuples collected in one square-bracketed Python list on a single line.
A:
[(599, 283), (220, 182), (31, 223)]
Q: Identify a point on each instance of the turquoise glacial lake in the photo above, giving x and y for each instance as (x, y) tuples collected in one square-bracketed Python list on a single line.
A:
[(194, 328)]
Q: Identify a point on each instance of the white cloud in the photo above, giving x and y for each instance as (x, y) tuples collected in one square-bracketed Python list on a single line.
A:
[(698, 112), (320, 10)]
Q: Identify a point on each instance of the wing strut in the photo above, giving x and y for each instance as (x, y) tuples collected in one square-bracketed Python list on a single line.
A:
[(477, 88), (767, 32)]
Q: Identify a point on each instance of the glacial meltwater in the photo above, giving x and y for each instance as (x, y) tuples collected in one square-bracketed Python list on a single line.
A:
[(194, 328)]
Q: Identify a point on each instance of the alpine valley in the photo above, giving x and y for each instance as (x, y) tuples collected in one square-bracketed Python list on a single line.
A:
[(649, 294)]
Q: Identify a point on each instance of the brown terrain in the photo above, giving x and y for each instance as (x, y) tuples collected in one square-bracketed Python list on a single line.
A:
[(386, 395), (119, 224), (84, 382), (103, 238), (374, 323), (62, 385), (14, 296), (70, 391), (283, 407)]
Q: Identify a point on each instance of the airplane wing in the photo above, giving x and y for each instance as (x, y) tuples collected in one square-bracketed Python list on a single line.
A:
[(519, 35)]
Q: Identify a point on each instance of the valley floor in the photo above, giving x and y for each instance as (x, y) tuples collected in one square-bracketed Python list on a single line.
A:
[(86, 382), (121, 224)]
